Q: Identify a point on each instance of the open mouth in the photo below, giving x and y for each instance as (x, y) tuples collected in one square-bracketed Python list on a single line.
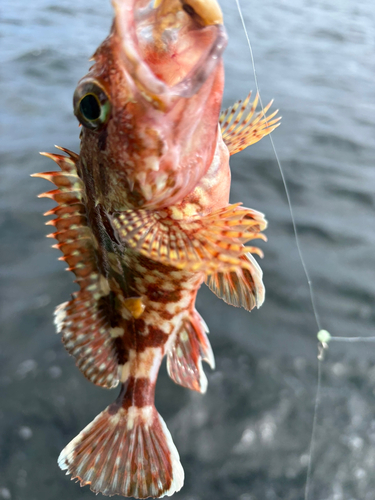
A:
[(169, 47)]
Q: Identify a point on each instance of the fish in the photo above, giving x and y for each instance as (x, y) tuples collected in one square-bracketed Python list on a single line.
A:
[(143, 220)]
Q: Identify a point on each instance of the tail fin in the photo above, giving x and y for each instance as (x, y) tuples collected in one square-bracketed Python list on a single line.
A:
[(126, 452)]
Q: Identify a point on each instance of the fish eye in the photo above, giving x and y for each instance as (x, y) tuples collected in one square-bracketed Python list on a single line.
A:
[(91, 104)]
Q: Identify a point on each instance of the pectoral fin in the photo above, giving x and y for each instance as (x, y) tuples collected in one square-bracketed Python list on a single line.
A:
[(209, 243), (241, 288), (240, 127)]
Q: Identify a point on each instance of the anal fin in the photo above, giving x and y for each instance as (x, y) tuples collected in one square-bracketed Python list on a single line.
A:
[(185, 355), (241, 288)]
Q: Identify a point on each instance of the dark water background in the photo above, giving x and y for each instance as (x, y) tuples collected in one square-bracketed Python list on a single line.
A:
[(248, 437)]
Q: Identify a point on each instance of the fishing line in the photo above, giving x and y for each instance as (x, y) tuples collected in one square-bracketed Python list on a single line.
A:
[(324, 337), (322, 345), (314, 426), (312, 295), (352, 339)]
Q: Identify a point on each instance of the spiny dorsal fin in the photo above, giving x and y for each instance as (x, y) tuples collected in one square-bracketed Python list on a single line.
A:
[(240, 288), (185, 355), (209, 243), (86, 332), (240, 127)]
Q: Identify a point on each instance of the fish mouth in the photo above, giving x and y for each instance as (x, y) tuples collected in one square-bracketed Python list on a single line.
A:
[(169, 48)]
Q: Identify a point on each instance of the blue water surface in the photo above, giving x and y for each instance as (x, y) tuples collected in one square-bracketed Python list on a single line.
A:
[(248, 437)]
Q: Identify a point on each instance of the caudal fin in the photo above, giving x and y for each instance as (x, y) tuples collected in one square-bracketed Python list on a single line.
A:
[(126, 452)]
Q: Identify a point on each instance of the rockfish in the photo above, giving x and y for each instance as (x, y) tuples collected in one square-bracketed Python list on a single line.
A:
[(143, 219)]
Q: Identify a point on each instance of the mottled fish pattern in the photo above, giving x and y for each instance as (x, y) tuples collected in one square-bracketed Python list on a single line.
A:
[(142, 220)]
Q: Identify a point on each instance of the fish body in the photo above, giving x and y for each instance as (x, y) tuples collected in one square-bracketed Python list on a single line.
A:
[(143, 219)]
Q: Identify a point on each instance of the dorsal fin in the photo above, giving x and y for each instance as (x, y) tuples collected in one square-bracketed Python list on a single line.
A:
[(86, 331), (240, 127), (208, 243)]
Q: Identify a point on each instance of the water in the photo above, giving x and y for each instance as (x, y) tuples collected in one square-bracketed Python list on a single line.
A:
[(248, 437)]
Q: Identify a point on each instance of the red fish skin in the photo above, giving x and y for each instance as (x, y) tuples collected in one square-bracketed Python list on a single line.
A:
[(169, 293), (160, 157)]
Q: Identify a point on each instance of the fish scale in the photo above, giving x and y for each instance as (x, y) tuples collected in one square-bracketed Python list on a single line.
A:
[(143, 219)]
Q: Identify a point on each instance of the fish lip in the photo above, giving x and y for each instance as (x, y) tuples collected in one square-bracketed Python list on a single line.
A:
[(196, 77), (141, 73)]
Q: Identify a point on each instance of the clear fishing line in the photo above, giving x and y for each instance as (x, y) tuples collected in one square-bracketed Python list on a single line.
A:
[(312, 296), (323, 336), (322, 345)]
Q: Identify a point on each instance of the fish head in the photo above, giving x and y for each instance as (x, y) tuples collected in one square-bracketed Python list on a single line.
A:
[(150, 104)]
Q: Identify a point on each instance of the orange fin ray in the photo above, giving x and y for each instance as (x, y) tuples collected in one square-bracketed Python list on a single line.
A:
[(241, 128), (125, 452), (60, 179), (67, 211), (66, 163), (190, 347), (231, 117), (209, 243), (62, 196), (241, 288), (86, 332)]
